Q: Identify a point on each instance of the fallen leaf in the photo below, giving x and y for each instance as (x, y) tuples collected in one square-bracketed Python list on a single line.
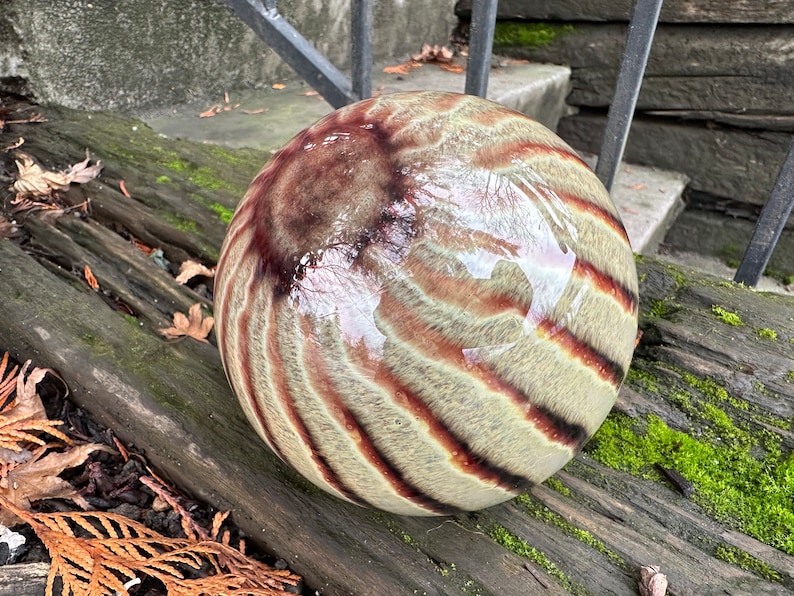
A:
[(80, 173), (37, 479), (278, 86), (141, 246), (456, 68), (402, 69), (638, 186), (208, 113), (16, 144), (257, 111), (194, 325), (33, 181), (433, 54), (225, 97), (652, 581), (190, 269), (310, 93), (123, 189), (89, 278)]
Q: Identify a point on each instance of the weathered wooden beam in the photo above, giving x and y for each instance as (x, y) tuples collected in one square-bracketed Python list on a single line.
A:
[(673, 11), (26, 579), (170, 399), (738, 163), (731, 69)]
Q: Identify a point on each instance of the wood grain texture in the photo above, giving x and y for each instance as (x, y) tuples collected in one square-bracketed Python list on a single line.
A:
[(738, 163), (171, 400), (28, 579)]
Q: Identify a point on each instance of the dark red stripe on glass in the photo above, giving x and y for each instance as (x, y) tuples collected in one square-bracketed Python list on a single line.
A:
[(283, 393), (313, 360), (605, 368), (407, 325), (627, 299)]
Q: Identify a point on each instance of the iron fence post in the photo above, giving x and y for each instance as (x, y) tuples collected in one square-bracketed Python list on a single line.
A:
[(627, 89), (483, 24), (769, 226), (361, 47), (295, 50)]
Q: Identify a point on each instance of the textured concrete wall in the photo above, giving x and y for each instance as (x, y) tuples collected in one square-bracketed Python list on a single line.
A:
[(144, 54)]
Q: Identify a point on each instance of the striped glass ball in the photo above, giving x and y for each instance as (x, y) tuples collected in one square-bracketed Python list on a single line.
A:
[(426, 303)]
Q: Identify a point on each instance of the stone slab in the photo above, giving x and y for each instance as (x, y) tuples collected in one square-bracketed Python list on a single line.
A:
[(538, 90)]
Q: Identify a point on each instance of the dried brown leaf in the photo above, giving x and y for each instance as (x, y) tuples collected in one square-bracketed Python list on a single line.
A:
[(37, 479), (433, 54), (89, 278), (33, 181), (278, 86), (123, 189), (652, 581), (15, 145), (190, 269), (195, 325), (402, 69), (456, 68)]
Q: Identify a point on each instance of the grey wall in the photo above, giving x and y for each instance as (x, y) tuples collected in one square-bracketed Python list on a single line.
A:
[(141, 54)]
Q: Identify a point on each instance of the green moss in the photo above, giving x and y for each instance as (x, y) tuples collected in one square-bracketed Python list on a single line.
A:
[(767, 333), (727, 317), (132, 320), (224, 213), (772, 420), (402, 534), (555, 484), (519, 546), (745, 560), (163, 179), (790, 376), (712, 390), (643, 380), (753, 495), (528, 35), (548, 516), (179, 222), (662, 309)]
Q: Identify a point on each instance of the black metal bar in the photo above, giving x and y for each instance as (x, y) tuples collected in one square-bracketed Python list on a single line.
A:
[(295, 50), (361, 47), (627, 90), (483, 23), (769, 226)]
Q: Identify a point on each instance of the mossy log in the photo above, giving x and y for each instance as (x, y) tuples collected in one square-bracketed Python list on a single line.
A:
[(706, 400)]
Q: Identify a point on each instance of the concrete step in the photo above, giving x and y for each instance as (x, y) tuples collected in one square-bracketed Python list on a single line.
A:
[(538, 90), (648, 199)]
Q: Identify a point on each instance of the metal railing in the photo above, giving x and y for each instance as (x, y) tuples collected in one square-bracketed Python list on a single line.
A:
[(263, 17)]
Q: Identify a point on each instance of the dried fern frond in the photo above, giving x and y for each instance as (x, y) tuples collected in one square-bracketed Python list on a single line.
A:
[(95, 553), (17, 431), (22, 415), (7, 381)]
